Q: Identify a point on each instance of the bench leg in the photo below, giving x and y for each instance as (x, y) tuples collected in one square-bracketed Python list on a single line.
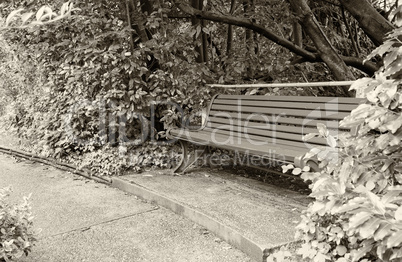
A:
[(186, 161), (312, 163), (314, 166)]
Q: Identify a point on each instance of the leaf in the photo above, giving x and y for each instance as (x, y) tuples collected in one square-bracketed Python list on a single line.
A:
[(367, 246), (394, 67), (398, 213), (25, 17), (313, 152), (368, 228), (389, 58), (322, 129), (37, 23), (394, 240), (362, 111), (386, 165), (310, 176), (309, 136), (383, 230), (254, 91), (359, 218), (331, 141), (287, 167), (40, 12), (341, 250), (379, 50), (396, 254), (12, 15), (396, 11), (360, 82), (48, 16), (64, 8), (394, 125), (374, 199), (350, 206), (297, 171), (317, 206)]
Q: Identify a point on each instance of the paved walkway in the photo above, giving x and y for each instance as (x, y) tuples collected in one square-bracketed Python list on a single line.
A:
[(82, 220)]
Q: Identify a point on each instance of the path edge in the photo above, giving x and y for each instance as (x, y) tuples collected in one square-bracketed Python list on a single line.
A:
[(231, 236)]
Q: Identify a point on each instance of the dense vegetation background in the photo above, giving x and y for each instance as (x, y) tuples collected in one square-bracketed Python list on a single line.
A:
[(115, 70), (100, 87)]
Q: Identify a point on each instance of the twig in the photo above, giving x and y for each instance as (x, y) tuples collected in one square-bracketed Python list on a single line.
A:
[(350, 32)]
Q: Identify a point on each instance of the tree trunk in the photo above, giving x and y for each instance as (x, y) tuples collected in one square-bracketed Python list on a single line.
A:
[(201, 40), (249, 7), (371, 21), (230, 30), (297, 34), (324, 48), (139, 23)]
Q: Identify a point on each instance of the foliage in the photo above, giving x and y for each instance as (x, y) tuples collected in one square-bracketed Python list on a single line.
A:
[(19, 19), (100, 86), (91, 79), (17, 236), (22, 90), (110, 161), (357, 212)]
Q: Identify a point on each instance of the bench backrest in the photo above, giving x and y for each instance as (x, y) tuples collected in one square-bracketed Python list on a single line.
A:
[(278, 119)]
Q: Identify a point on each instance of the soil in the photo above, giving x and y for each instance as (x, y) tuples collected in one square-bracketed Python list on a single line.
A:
[(292, 183)]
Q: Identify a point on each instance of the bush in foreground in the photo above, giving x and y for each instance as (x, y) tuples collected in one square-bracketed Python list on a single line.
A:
[(17, 236), (357, 211)]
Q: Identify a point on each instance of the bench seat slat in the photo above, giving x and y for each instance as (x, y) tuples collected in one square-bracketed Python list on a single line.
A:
[(289, 112), (264, 134), (293, 105), (261, 139), (268, 151), (216, 121), (334, 100), (275, 119)]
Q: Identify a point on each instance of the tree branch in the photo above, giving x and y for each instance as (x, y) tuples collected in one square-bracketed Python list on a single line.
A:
[(326, 51), (368, 67), (307, 55), (231, 20), (349, 31)]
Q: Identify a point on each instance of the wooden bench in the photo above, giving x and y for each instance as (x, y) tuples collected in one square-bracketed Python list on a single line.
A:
[(270, 127)]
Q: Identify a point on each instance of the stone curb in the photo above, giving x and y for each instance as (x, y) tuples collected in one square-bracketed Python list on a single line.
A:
[(231, 236)]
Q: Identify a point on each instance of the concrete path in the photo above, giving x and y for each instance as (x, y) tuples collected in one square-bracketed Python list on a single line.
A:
[(253, 216), (82, 220)]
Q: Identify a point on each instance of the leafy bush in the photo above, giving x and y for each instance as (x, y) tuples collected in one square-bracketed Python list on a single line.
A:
[(112, 161), (357, 212), (98, 83), (17, 236)]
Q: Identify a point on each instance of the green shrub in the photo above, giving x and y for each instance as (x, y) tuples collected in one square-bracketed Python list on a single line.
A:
[(17, 236), (357, 212), (114, 161)]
